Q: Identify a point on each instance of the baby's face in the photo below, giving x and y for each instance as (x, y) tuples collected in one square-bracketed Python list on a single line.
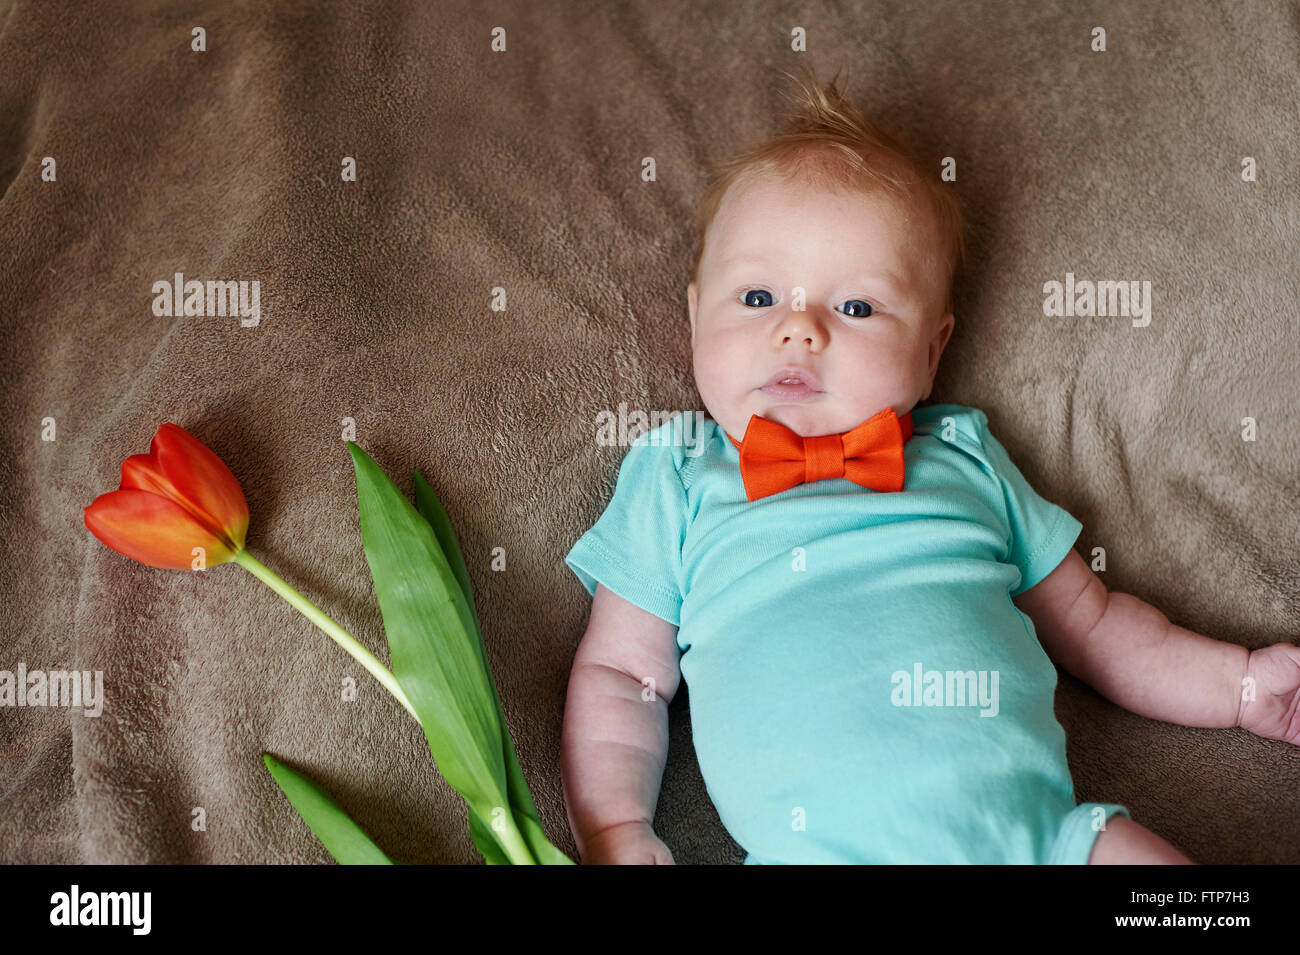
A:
[(872, 325)]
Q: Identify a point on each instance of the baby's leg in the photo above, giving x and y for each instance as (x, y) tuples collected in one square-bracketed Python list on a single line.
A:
[(1124, 842)]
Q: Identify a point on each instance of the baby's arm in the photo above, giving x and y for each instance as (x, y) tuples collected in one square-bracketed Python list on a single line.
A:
[(615, 738), (1133, 655)]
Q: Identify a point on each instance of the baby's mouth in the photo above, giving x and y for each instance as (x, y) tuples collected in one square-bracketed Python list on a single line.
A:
[(792, 383), (790, 390), (792, 376)]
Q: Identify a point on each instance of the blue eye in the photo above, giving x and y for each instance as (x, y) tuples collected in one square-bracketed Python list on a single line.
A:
[(757, 291), (864, 312)]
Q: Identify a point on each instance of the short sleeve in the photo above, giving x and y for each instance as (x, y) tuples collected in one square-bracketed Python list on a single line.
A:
[(1041, 533), (635, 548)]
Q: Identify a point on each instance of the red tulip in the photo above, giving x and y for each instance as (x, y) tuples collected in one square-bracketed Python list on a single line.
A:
[(181, 496), (177, 497)]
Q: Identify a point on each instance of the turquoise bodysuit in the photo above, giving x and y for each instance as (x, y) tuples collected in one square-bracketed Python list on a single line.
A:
[(862, 689)]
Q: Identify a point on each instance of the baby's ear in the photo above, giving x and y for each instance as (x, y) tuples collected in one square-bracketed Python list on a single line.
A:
[(692, 301), (942, 333)]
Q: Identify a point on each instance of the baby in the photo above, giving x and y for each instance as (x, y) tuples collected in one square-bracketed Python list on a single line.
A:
[(864, 594)]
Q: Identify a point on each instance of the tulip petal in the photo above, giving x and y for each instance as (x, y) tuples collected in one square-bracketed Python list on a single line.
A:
[(182, 469), (152, 530)]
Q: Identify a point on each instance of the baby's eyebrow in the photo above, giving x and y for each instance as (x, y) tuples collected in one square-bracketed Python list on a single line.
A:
[(898, 284), (743, 257)]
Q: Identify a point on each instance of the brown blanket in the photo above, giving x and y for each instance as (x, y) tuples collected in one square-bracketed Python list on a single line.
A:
[(521, 170)]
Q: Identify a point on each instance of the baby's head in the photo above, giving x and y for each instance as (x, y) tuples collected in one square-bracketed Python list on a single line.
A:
[(829, 249)]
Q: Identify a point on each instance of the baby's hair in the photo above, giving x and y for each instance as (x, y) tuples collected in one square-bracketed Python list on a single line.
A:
[(828, 142)]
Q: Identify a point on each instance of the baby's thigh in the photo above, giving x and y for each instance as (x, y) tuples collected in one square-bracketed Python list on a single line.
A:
[(1125, 842)]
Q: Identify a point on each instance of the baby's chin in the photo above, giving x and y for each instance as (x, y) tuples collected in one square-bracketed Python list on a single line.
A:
[(807, 418)]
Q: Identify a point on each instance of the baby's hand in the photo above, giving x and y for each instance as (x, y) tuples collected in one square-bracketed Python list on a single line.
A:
[(1273, 679), (632, 843)]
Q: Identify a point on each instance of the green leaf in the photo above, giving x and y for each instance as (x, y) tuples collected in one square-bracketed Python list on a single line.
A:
[(431, 510), (535, 838), (345, 840), (433, 638), (521, 800)]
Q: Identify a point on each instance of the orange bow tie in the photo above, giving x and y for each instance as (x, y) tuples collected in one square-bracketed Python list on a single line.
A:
[(774, 459)]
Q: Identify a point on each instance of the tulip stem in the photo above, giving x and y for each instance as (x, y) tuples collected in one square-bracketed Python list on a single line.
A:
[(512, 840), (318, 617)]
